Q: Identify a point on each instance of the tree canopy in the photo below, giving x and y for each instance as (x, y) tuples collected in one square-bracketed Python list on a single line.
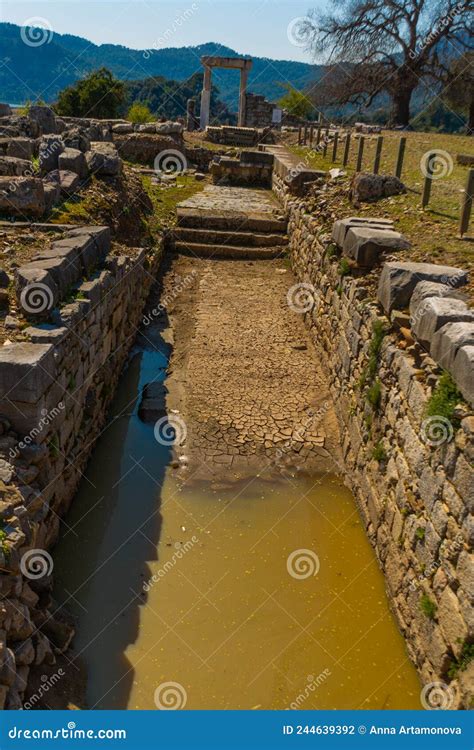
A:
[(375, 46), (99, 95)]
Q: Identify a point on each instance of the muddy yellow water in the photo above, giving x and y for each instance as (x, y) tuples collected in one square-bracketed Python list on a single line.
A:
[(261, 594)]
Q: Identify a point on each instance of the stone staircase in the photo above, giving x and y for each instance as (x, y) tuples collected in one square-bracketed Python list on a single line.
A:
[(244, 224)]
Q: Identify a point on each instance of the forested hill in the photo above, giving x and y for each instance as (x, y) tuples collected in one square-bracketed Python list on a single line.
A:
[(31, 72)]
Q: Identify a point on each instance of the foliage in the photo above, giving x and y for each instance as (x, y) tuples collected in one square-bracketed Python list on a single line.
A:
[(344, 267), (99, 95), (420, 533), (296, 103), (465, 658), (428, 606), (444, 399), (379, 453), (374, 394), (378, 333), (139, 112)]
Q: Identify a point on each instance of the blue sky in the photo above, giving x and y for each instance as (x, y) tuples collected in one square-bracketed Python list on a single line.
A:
[(258, 27)]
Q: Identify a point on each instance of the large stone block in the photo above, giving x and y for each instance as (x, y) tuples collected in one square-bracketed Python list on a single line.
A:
[(342, 226), (398, 281), (434, 313), (447, 341), (21, 148), (103, 159), (368, 187), (94, 245), (463, 372), (366, 245), (64, 273), (11, 166), (44, 117), (50, 147), (69, 182), (73, 160), (22, 196), (426, 289), (26, 371)]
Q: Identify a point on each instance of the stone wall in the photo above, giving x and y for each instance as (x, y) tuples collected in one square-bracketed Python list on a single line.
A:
[(55, 390), (413, 484)]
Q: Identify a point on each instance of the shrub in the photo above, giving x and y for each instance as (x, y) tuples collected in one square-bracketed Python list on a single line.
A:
[(99, 95), (379, 453), (428, 607), (444, 399), (374, 395), (139, 112)]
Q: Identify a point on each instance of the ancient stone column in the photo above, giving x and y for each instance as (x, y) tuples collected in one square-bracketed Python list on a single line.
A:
[(244, 74), (206, 98)]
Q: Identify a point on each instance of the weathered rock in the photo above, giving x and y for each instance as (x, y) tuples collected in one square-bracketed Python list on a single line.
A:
[(5, 110), (467, 160), (398, 281), (366, 188), (341, 227), (426, 289), (22, 196), (69, 182), (36, 291), (147, 127), (4, 279), (463, 372), (77, 139), (168, 128), (123, 128), (21, 148), (48, 153), (94, 244), (44, 116), (434, 313), (52, 194), (10, 165), (447, 341), (103, 160), (451, 621), (367, 245), (73, 160), (26, 371)]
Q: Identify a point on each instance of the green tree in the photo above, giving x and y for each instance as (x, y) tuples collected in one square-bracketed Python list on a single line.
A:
[(99, 95), (296, 103), (139, 112)]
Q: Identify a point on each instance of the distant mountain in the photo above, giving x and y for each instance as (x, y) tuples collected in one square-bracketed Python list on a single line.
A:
[(32, 72)]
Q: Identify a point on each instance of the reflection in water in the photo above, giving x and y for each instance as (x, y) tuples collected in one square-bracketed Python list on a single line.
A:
[(257, 595)]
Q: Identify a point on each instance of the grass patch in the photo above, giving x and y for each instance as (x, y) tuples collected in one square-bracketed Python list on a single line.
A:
[(165, 200), (374, 394), (428, 607), (420, 533), (444, 400), (379, 453), (344, 267)]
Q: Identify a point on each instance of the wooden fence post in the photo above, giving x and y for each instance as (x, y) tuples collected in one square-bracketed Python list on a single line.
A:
[(311, 135), (360, 153), (467, 204), (318, 136), (305, 135), (347, 148), (300, 133), (325, 145), (378, 154), (429, 168), (400, 156), (334, 145)]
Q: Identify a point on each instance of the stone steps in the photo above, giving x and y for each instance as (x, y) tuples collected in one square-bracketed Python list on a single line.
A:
[(230, 221), (222, 237), (231, 252)]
